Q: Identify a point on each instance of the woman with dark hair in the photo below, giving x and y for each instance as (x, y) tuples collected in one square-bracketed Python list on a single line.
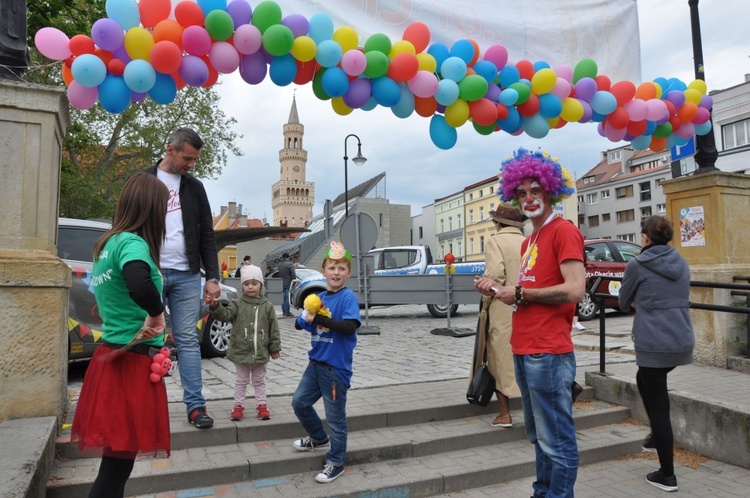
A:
[(657, 286), (122, 410)]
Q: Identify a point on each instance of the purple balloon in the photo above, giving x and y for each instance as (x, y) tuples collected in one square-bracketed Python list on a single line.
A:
[(297, 23), (585, 88), (707, 102), (137, 96), (107, 34), (493, 92), (253, 68), (358, 94), (588, 112), (122, 54), (240, 11), (193, 70), (676, 97)]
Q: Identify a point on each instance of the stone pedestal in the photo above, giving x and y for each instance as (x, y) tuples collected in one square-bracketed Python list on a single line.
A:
[(33, 281), (722, 253)]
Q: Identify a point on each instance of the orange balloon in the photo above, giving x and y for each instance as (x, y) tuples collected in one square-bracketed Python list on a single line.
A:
[(178, 80), (646, 91), (483, 112), (657, 144), (104, 55), (687, 112), (476, 52), (425, 107), (67, 75), (169, 30)]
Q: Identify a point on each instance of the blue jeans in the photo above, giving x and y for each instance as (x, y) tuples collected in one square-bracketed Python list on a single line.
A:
[(182, 292), (545, 381), (285, 299), (318, 380)]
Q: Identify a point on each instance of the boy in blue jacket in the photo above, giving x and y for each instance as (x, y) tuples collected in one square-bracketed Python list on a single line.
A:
[(328, 375)]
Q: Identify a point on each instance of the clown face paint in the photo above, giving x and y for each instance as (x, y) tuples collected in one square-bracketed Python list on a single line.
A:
[(531, 198)]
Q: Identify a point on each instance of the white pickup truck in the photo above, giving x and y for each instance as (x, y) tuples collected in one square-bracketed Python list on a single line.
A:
[(392, 273)]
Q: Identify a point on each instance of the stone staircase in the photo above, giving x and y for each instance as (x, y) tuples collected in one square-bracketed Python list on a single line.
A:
[(407, 440)]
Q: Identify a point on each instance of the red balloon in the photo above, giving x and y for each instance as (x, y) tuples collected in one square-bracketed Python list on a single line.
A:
[(637, 128), (483, 112), (166, 57), (525, 69), (81, 44), (418, 34), (502, 111), (403, 67), (426, 106), (672, 110), (189, 14), (624, 91), (178, 81), (657, 144), (116, 67), (675, 121), (619, 118), (305, 72), (213, 74), (603, 83), (153, 11), (560, 123), (530, 107), (104, 55)]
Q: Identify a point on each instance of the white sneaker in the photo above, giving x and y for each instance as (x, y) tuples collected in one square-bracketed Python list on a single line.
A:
[(329, 474)]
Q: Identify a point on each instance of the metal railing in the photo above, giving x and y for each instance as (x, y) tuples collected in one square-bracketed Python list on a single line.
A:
[(737, 290)]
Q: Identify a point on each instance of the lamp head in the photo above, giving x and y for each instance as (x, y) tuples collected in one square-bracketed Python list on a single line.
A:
[(359, 159)]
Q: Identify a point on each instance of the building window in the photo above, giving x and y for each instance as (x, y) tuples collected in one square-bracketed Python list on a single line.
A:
[(458, 220), (630, 237), (471, 245), (592, 198), (735, 134), (481, 193), (580, 198), (605, 217), (658, 181), (492, 206), (661, 208), (471, 196), (645, 212), (450, 222), (581, 220), (481, 213), (594, 221), (471, 216), (459, 249), (421, 234), (614, 156), (442, 225), (625, 216), (492, 190), (622, 192), (605, 194), (645, 191), (481, 243)]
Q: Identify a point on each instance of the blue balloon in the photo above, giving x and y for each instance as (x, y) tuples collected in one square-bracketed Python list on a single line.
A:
[(321, 27), (596, 117), (405, 106), (440, 52), (603, 102), (650, 127), (283, 70), (463, 49), (447, 92), (641, 143), (443, 135), (329, 53), (370, 105), (386, 91), (335, 82), (114, 94), (541, 65), (512, 123), (164, 90), (125, 12), (453, 68), (88, 70), (508, 76), (703, 128), (535, 126), (139, 75), (210, 5), (550, 106), (508, 97), (486, 70)]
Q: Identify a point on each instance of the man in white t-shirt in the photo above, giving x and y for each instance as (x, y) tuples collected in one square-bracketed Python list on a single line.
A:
[(190, 243)]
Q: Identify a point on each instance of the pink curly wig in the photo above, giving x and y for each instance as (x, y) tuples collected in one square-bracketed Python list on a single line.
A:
[(551, 175)]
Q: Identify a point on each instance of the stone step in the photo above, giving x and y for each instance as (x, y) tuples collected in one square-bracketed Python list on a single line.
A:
[(273, 458)]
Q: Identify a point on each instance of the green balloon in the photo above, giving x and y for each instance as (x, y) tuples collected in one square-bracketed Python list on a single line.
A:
[(317, 85), (472, 87), (219, 25), (265, 15), (524, 91), (379, 43), (484, 130), (377, 64), (586, 68), (278, 40), (663, 130)]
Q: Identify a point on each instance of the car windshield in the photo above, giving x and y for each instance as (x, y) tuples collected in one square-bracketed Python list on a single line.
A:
[(75, 243)]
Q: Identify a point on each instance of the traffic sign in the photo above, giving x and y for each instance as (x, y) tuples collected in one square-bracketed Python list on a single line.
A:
[(682, 151)]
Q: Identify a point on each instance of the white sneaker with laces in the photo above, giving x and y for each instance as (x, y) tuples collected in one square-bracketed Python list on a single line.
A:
[(330, 473)]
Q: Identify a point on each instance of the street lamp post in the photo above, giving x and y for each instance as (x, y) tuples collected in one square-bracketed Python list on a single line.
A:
[(359, 160)]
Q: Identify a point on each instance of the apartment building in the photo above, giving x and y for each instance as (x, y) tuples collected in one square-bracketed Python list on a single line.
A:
[(449, 227), (731, 117), (622, 189), (479, 199)]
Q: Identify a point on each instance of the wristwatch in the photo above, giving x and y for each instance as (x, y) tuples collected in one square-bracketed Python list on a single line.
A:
[(214, 280)]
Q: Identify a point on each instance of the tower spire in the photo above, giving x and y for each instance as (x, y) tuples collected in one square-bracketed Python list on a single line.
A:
[(293, 116)]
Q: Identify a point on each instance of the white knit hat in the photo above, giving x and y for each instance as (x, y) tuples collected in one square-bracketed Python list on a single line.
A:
[(250, 272)]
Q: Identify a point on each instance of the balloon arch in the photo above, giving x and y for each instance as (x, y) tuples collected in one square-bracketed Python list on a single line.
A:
[(153, 49)]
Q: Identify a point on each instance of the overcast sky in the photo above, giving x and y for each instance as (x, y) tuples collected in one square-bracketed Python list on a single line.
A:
[(417, 171)]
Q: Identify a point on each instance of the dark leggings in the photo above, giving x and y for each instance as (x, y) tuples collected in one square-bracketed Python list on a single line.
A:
[(113, 474), (652, 384)]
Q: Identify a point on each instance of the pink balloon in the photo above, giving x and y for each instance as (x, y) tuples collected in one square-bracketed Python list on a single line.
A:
[(52, 43), (247, 39), (82, 97), (562, 88), (686, 131), (702, 116), (655, 110), (637, 109), (353, 62), (564, 71), (424, 84), (224, 57), (498, 55), (614, 134), (196, 40)]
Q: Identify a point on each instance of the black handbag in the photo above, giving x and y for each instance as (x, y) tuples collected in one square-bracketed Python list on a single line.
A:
[(482, 385)]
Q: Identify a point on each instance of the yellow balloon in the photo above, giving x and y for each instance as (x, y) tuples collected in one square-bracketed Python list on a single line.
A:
[(347, 37), (572, 110), (304, 48), (692, 95), (543, 81), (553, 122), (339, 107), (400, 47), (659, 90), (457, 113), (138, 43), (699, 85), (426, 62)]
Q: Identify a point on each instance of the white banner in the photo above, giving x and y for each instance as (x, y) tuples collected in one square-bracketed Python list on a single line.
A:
[(554, 31)]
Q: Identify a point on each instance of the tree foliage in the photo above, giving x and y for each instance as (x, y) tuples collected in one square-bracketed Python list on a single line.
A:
[(100, 149)]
